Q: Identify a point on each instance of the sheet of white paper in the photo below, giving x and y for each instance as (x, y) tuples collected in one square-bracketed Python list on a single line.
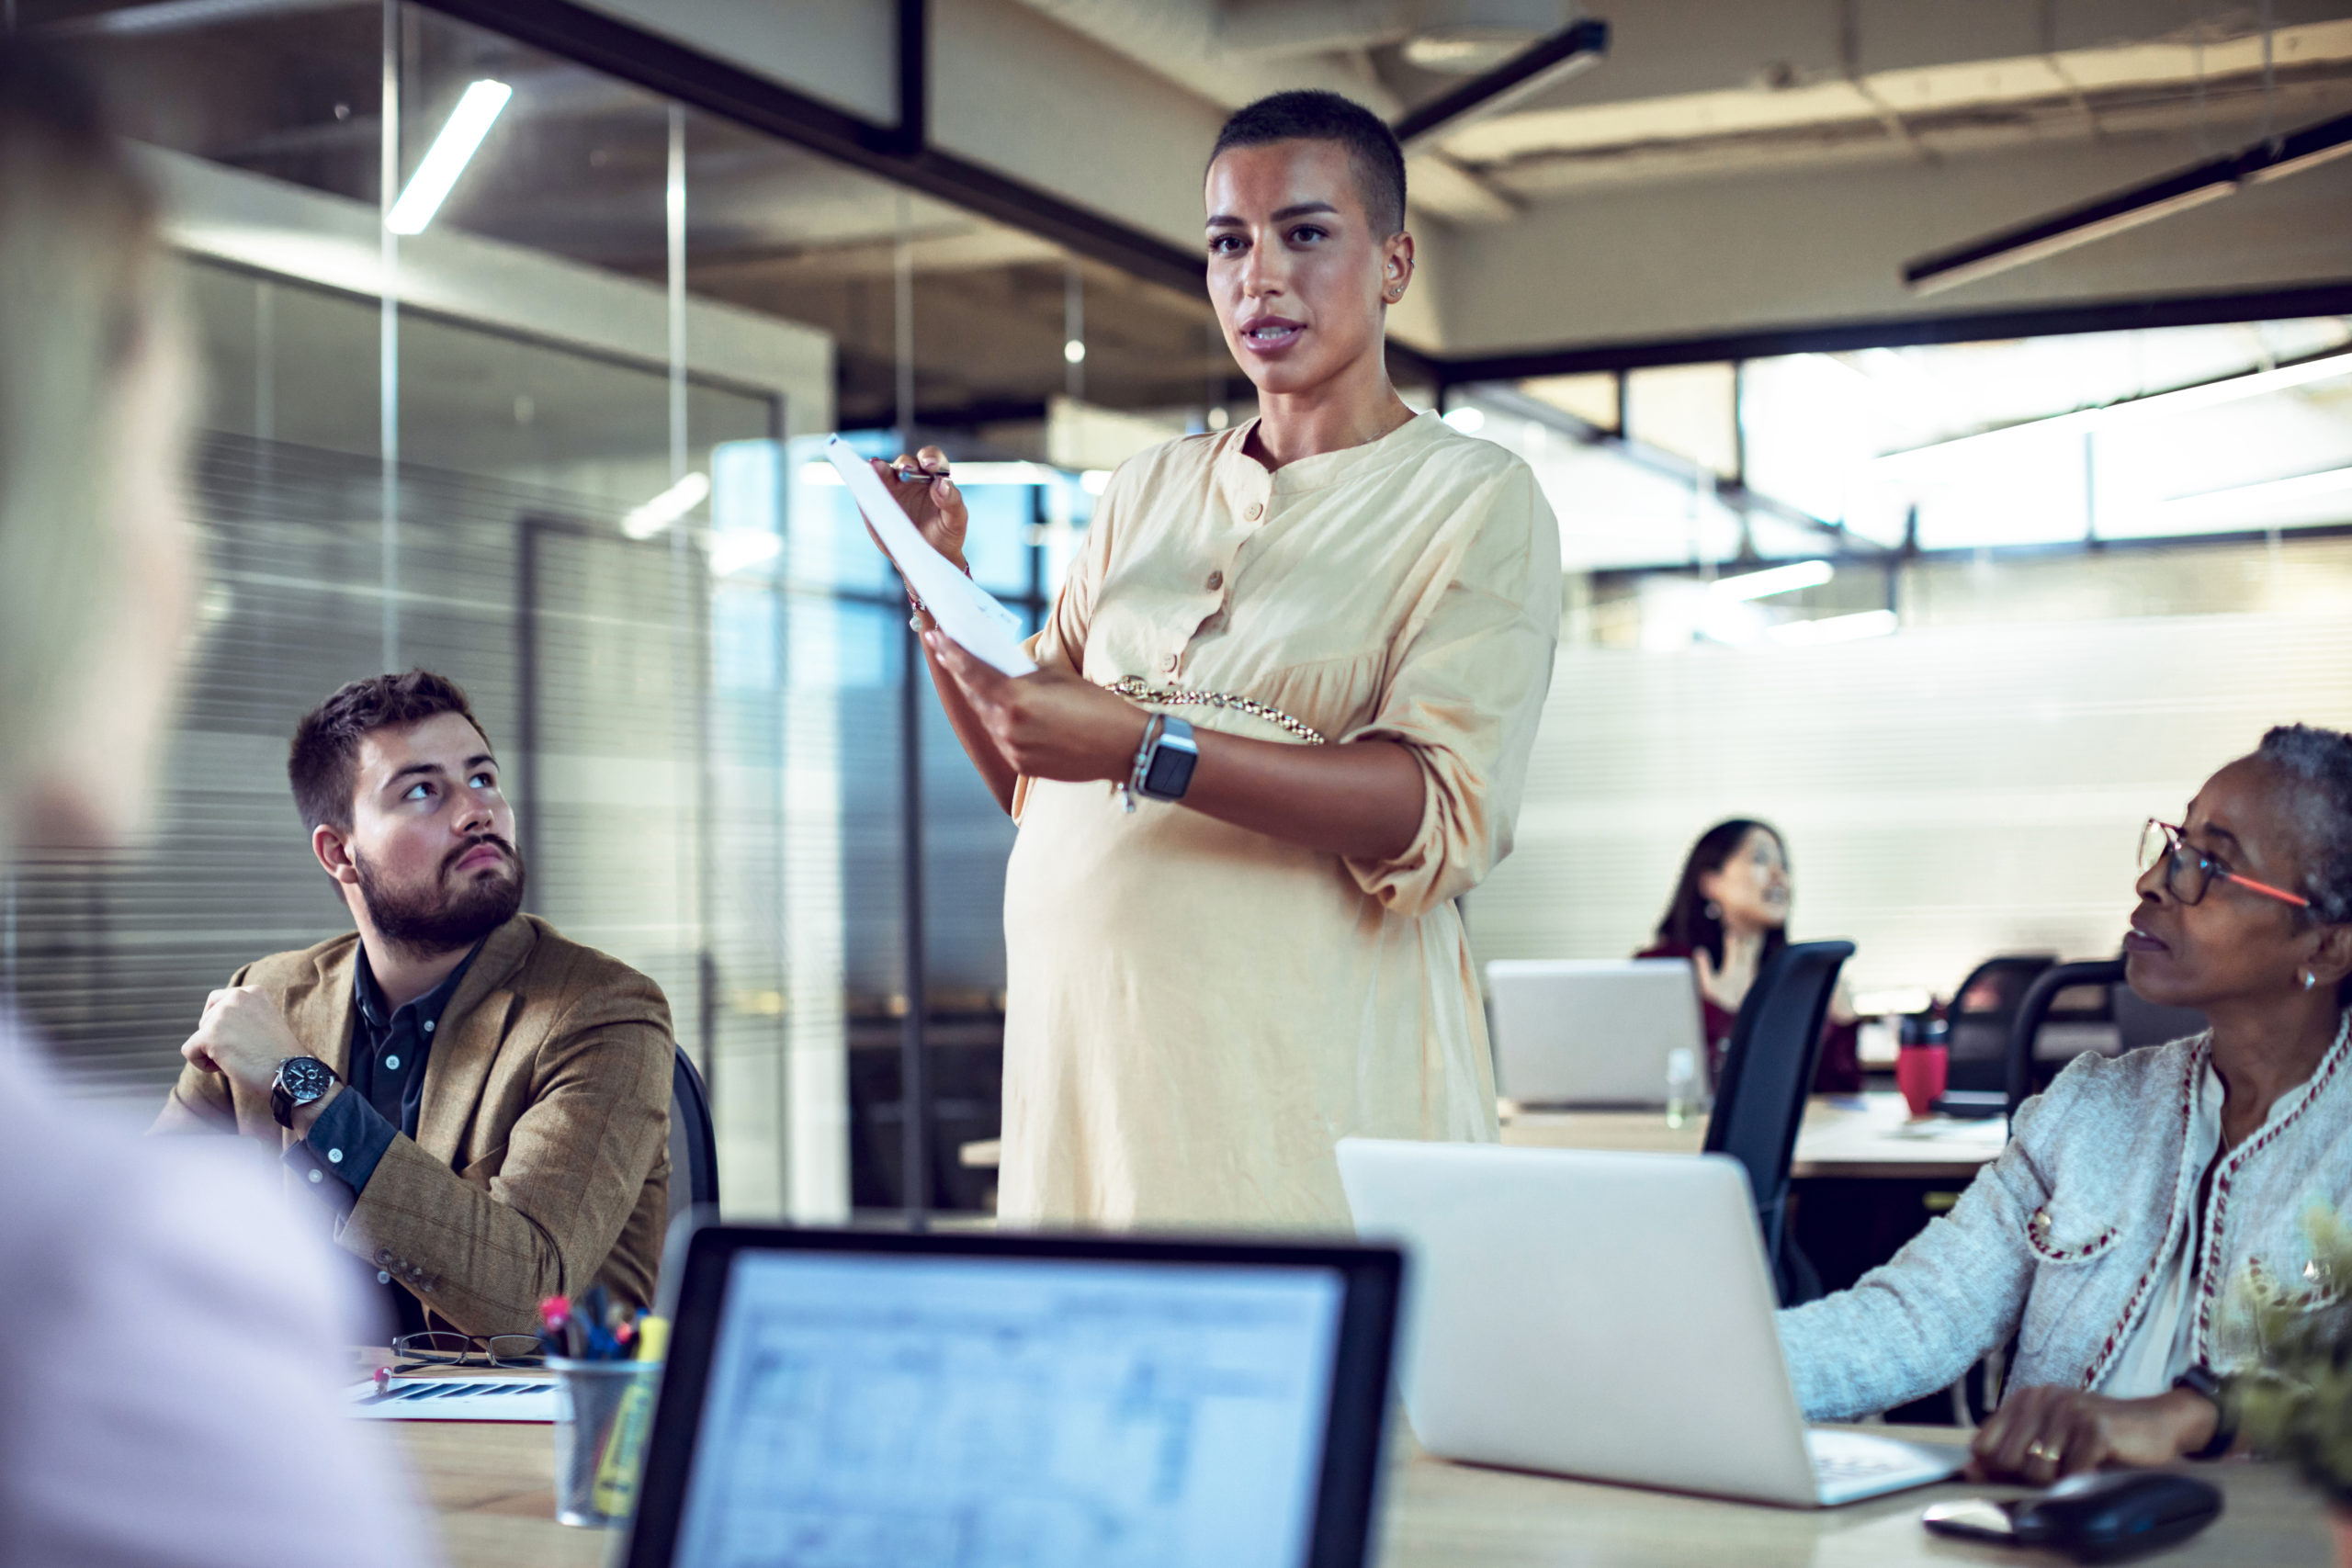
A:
[(965, 611), (457, 1399)]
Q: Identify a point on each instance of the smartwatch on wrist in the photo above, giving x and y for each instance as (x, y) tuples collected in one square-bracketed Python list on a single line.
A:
[(1165, 761), (2198, 1380), (301, 1080)]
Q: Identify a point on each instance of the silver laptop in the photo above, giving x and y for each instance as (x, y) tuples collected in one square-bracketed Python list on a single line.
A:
[(1590, 1032), (1604, 1316)]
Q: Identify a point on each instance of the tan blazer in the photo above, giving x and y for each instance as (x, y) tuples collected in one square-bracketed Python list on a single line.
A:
[(541, 1160)]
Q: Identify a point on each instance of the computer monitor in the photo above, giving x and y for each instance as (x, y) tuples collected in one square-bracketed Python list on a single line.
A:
[(853, 1398)]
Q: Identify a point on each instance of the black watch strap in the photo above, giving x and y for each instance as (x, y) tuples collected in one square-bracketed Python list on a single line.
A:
[(2200, 1379)]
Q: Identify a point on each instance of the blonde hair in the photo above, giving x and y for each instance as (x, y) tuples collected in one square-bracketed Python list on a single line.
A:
[(79, 264)]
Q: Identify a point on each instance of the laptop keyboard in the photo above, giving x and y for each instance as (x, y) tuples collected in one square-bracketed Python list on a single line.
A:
[(1850, 1456)]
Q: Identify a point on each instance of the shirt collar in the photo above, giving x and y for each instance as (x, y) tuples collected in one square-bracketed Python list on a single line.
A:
[(425, 1010)]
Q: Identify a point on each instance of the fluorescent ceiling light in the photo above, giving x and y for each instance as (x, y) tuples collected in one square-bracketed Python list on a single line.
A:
[(1773, 580), (447, 157), (1835, 628), (1465, 419), (967, 476), (644, 522), (2258, 164), (2187, 399), (2295, 487)]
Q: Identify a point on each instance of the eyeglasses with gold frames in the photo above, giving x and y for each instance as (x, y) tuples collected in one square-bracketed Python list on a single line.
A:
[(2189, 870)]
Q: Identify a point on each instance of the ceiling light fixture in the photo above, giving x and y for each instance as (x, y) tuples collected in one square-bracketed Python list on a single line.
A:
[(447, 157), (2258, 164), (2185, 399), (1834, 628), (1773, 580), (1466, 419), (644, 522), (1546, 62), (2295, 487)]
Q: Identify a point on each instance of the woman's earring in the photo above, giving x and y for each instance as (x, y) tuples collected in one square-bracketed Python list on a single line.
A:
[(2310, 979), (1713, 910)]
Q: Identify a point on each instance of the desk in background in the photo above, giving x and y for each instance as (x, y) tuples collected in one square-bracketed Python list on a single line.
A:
[(1860, 1137), (491, 1487)]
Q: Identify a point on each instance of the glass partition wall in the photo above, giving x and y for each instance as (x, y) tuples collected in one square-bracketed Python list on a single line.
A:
[(518, 372)]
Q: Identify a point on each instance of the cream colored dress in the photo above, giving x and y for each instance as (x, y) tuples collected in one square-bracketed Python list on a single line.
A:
[(1197, 1013)]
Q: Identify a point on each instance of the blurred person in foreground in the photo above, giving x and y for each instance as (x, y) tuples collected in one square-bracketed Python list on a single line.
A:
[(1346, 612), (1729, 916), (169, 1340), (481, 1105), (2147, 1204)]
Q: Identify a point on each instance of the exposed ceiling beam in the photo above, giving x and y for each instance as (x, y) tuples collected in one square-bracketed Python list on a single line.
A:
[(1545, 63)]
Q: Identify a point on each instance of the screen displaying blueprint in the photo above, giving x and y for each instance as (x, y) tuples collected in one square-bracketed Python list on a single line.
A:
[(890, 1411)]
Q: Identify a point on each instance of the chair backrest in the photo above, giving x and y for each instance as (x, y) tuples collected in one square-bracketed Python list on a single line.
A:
[(2141, 1022), (1767, 1071), (693, 1144), (1983, 1010), (2033, 1009)]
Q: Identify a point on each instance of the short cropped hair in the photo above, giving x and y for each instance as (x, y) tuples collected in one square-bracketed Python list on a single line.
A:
[(2318, 762), (1316, 116), (324, 762)]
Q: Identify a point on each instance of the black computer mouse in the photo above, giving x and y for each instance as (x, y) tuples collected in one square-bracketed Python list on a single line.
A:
[(2099, 1518)]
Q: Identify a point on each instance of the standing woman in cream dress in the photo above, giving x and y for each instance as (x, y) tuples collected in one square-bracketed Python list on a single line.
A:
[(1355, 608)]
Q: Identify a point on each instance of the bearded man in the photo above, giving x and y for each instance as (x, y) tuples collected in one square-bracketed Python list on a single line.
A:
[(483, 1105)]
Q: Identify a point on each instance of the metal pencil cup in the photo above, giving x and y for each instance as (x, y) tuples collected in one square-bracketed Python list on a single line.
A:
[(601, 1411)]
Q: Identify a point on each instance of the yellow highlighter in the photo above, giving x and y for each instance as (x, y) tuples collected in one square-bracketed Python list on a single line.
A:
[(624, 1456)]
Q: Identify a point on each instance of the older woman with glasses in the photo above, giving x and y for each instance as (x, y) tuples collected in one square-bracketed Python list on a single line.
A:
[(2145, 1202)]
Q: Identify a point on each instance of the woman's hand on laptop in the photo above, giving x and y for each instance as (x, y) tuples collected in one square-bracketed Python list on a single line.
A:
[(2042, 1434)]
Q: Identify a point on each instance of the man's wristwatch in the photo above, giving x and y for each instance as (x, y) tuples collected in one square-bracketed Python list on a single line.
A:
[(2197, 1379), (1165, 761), (301, 1080)]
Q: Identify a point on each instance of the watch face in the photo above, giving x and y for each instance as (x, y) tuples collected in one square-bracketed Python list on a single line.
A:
[(1170, 770), (304, 1078)]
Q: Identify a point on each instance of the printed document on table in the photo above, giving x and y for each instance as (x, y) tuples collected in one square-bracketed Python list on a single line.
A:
[(458, 1399), (964, 610)]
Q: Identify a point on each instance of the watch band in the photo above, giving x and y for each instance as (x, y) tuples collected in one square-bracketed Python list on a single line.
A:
[(2200, 1379)]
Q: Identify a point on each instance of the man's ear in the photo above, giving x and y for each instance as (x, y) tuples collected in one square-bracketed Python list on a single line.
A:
[(334, 850)]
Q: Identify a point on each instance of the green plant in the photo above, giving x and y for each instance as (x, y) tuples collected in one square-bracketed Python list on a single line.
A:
[(2298, 1403)]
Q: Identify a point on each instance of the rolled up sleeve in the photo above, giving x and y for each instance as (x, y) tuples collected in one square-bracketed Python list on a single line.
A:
[(1465, 693)]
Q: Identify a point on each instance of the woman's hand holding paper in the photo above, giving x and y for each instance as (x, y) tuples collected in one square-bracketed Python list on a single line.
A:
[(1050, 725)]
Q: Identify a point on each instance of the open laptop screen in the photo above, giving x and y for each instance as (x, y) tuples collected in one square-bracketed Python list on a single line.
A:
[(894, 1409)]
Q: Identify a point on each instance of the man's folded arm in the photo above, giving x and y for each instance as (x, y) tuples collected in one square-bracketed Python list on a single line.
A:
[(200, 1101), (484, 1252)]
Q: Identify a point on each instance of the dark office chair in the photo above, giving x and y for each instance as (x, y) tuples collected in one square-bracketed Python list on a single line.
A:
[(1984, 1015), (2137, 1023), (1767, 1072), (693, 1145)]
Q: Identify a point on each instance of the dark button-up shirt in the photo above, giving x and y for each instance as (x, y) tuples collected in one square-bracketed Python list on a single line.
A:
[(382, 1093)]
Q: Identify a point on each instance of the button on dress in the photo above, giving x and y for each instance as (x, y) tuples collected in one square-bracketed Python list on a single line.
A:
[(1197, 1013)]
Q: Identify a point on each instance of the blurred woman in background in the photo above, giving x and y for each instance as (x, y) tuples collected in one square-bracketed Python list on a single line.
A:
[(1729, 916), (168, 1379)]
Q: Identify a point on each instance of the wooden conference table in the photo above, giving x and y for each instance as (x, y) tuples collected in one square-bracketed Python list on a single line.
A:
[(491, 1488)]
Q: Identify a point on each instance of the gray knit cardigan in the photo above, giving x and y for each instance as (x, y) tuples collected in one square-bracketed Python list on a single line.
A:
[(2058, 1239)]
